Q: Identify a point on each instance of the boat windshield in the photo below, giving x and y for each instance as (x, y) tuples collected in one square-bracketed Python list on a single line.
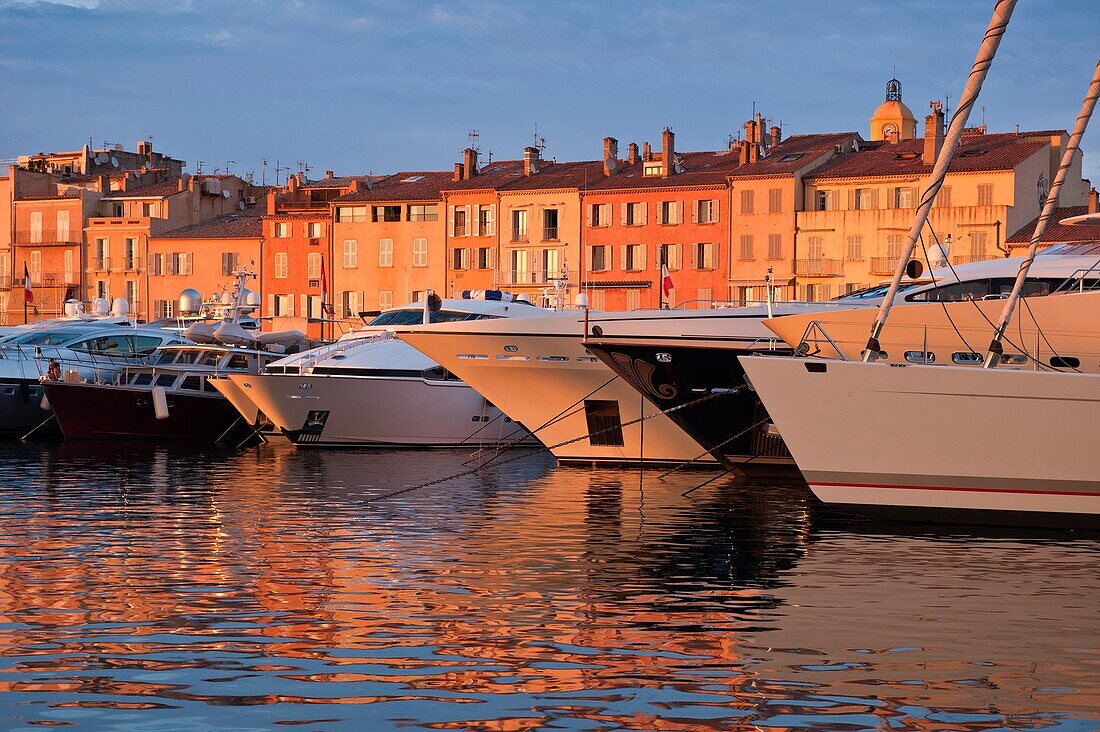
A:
[(416, 317), (876, 292), (45, 338)]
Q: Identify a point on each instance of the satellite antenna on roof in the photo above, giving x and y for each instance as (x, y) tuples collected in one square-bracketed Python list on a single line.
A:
[(114, 161), (102, 158)]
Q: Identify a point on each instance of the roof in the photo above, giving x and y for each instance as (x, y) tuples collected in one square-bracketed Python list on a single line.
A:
[(340, 181), (707, 168), (550, 175), (1055, 232), (153, 190), (409, 185), (998, 151), (491, 175), (246, 224), (795, 153)]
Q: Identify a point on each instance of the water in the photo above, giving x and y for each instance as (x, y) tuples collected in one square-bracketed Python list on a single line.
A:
[(156, 589)]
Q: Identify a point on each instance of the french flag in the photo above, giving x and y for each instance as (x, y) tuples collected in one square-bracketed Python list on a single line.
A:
[(28, 293), (666, 280)]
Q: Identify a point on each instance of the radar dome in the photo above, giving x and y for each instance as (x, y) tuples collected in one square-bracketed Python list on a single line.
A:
[(120, 308), (190, 301), (72, 307), (100, 306), (252, 299), (581, 300), (226, 298)]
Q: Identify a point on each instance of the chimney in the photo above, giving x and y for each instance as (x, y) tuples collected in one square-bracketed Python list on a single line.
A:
[(610, 155), (933, 133), (469, 163), (355, 186), (1094, 201), (632, 153), (144, 147), (646, 152), (743, 151), (329, 175), (181, 183), (192, 184), (124, 182), (292, 182), (668, 152), (530, 161), (776, 135), (459, 171), (271, 201), (752, 142)]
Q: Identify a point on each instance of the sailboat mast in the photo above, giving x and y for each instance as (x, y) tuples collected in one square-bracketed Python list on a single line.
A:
[(993, 355), (984, 59)]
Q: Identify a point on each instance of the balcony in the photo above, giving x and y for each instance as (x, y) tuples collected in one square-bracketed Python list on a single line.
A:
[(125, 222), (884, 265), (538, 277), (281, 206), (970, 258), (819, 267), (549, 233), (42, 279), (49, 238), (519, 235)]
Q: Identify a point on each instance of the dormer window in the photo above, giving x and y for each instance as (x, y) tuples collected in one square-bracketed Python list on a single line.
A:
[(655, 168), (791, 158), (974, 153)]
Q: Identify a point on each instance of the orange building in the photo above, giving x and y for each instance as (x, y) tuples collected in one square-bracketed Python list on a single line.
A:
[(298, 228), (203, 256), (391, 237)]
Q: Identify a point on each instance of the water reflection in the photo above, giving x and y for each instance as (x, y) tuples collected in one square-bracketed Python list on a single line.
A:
[(174, 589)]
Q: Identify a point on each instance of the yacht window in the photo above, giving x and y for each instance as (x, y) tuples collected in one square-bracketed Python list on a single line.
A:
[(207, 386), (1065, 362), (210, 358), (187, 357), (955, 292), (877, 291), (1014, 359), (605, 426), (237, 361), (49, 338), (165, 380), (966, 358), (143, 380), (166, 358), (920, 357), (145, 345), (399, 317), (193, 383), (436, 373), (105, 345)]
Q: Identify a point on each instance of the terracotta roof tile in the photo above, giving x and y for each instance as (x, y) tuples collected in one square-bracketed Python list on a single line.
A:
[(340, 181), (491, 175), (409, 185), (550, 175), (795, 153), (706, 168), (153, 190), (999, 151), (247, 224), (1056, 233)]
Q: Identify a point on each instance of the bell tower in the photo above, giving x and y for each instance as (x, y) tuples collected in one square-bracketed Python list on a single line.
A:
[(893, 121)]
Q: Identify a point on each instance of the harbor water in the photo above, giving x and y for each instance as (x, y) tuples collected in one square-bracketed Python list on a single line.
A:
[(150, 588)]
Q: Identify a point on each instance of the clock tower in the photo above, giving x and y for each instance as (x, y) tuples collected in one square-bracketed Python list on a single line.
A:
[(893, 121)]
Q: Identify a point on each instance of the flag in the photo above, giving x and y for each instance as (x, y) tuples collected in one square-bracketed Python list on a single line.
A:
[(666, 280), (28, 293)]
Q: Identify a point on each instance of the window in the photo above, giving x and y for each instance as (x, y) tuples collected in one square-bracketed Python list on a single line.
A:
[(519, 266), (705, 256), (705, 212), (131, 292), (850, 287), (70, 271), (634, 257), (156, 264), (420, 252), (747, 201), (671, 212), (102, 253), (423, 212), (791, 158), (36, 227), (486, 224), (605, 426), (634, 214), (985, 195), (484, 258), (183, 262), (313, 266), (746, 246), (599, 261), (130, 247), (598, 301), (978, 244), (865, 199), (633, 299), (704, 296), (100, 288), (903, 197), (855, 248), (825, 201), (893, 246), (519, 225), (815, 249), (351, 213), (353, 303), (775, 200), (282, 230), (551, 264), (959, 291), (62, 226), (943, 199), (550, 224), (117, 209), (148, 209), (162, 309), (229, 263), (351, 253), (385, 213), (315, 230), (599, 214), (385, 299), (775, 246), (459, 226), (35, 267), (282, 267), (674, 256), (816, 293), (460, 259), (385, 252)]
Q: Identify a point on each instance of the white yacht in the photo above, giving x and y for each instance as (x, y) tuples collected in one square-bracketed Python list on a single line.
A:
[(78, 348), (369, 388)]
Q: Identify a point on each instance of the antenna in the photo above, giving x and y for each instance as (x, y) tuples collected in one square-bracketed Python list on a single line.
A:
[(539, 142), (263, 175), (227, 162), (474, 137), (199, 164)]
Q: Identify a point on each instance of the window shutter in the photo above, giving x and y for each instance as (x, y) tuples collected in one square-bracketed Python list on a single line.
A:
[(173, 259), (714, 206), (271, 305), (622, 213), (874, 198), (695, 211), (642, 262), (451, 220), (492, 220), (470, 223), (591, 212), (289, 306), (852, 199), (679, 212), (588, 259), (914, 197), (891, 197), (304, 305), (622, 256)]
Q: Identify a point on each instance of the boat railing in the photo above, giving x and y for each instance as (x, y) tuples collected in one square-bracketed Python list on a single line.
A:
[(342, 346), (97, 364), (812, 338), (1076, 282)]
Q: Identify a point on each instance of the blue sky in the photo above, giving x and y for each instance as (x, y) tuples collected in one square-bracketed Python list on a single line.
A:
[(384, 85)]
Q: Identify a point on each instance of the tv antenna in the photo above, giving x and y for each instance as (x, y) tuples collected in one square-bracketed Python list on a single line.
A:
[(199, 164), (474, 137), (303, 167), (227, 162), (539, 142)]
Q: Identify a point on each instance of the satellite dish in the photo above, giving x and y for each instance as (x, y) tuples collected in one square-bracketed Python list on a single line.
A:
[(226, 193), (240, 205), (252, 299), (119, 147), (102, 158), (914, 269), (611, 164), (190, 301), (114, 161)]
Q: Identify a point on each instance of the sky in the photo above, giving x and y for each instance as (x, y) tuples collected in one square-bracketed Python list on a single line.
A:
[(380, 86)]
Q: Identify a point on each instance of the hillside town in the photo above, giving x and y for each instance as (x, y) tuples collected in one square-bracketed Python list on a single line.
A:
[(812, 216)]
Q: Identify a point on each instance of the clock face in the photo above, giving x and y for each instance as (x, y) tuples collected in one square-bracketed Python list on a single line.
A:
[(888, 130)]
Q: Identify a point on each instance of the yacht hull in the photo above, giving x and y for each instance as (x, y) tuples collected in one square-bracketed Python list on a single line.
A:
[(322, 409), (544, 380), (945, 441), (706, 388), (111, 412), (21, 408), (240, 400)]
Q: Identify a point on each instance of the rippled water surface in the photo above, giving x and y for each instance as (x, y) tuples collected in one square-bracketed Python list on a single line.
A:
[(157, 589)]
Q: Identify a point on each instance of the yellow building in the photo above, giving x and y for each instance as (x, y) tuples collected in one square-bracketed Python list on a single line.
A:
[(893, 121)]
